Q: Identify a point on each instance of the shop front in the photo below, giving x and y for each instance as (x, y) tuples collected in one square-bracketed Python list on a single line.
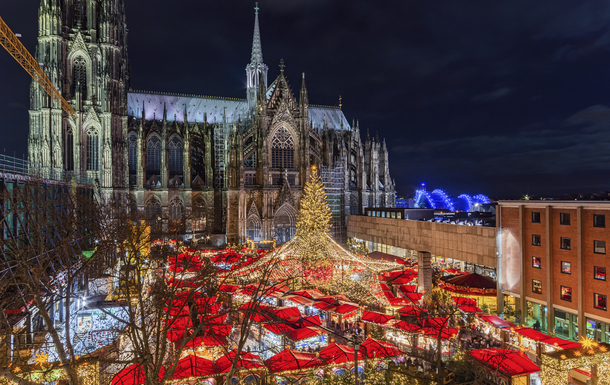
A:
[(566, 325), (537, 316), (598, 331)]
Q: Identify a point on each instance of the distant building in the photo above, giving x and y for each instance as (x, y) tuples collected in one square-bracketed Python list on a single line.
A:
[(193, 163), (553, 264)]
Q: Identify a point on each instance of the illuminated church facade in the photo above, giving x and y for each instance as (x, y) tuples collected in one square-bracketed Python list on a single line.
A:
[(191, 163)]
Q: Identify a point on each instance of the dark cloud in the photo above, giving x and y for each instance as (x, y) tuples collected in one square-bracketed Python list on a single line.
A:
[(471, 96)]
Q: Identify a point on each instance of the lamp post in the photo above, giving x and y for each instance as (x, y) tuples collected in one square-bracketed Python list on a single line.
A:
[(356, 373)]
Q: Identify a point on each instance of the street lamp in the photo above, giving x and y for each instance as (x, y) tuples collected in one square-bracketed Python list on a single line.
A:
[(356, 373)]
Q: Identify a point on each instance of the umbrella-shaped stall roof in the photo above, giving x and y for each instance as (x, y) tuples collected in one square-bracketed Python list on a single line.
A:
[(372, 348), (470, 284), (374, 317), (337, 354), (245, 361), (292, 360), (193, 366), (133, 375), (510, 362)]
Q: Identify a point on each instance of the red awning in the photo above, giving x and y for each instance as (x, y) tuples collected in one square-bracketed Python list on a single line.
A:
[(288, 313), (374, 317), (465, 301), (470, 309), (530, 333), (207, 340), (407, 288), (309, 293), (334, 298), (411, 311), (258, 312), (337, 354), (406, 326), (245, 361), (228, 288), (279, 329), (511, 362), (372, 348), (325, 306), (133, 375), (193, 366), (306, 332), (298, 299), (445, 333), (292, 360), (470, 284), (346, 308), (497, 321), (561, 343)]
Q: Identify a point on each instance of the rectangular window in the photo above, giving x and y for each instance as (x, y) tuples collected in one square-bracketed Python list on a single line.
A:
[(536, 286), (535, 216), (536, 262), (600, 301), (535, 239), (599, 220), (599, 247), (564, 219), (393, 215), (566, 293), (399, 216), (566, 243), (566, 267), (599, 273)]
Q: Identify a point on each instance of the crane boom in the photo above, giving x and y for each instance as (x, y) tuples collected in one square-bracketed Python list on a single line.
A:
[(9, 41)]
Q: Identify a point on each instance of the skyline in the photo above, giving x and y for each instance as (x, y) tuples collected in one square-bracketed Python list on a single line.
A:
[(498, 99)]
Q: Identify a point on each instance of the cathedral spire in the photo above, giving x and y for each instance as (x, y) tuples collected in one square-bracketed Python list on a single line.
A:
[(257, 50)]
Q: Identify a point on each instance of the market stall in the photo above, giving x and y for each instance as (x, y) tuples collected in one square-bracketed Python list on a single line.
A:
[(505, 366), (482, 289)]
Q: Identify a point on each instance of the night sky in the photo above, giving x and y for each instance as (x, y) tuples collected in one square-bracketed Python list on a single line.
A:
[(496, 97)]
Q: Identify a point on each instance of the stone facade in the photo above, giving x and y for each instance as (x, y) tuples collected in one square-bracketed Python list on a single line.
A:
[(473, 244), (194, 163)]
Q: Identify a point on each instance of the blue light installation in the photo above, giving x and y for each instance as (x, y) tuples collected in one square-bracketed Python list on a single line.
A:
[(482, 199), (420, 197), (439, 199), (464, 203), (443, 200)]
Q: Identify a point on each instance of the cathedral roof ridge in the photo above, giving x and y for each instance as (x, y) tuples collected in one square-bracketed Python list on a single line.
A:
[(186, 95), (324, 106)]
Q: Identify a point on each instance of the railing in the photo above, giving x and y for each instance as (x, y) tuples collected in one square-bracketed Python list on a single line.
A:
[(16, 166)]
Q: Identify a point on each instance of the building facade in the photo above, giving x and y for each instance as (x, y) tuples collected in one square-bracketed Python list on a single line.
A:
[(553, 266), (193, 163)]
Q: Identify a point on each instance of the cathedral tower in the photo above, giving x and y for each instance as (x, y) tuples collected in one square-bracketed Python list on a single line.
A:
[(82, 47), (256, 71)]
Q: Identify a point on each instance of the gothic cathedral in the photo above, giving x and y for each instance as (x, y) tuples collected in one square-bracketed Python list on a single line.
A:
[(193, 164)]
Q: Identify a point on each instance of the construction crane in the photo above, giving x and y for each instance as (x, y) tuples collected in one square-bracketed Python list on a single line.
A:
[(9, 41)]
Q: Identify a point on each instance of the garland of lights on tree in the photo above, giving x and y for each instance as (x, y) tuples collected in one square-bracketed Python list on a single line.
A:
[(313, 259)]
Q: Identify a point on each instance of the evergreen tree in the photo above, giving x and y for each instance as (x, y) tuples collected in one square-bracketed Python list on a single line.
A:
[(314, 215)]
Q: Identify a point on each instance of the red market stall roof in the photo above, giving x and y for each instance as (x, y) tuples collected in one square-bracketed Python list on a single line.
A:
[(454, 271), (292, 360), (406, 326), (561, 343), (411, 311), (193, 366), (309, 293), (306, 332), (207, 340), (464, 301), (298, 299), (372, 348), (530, 333), (279, 329), (470, 284), (288, 313), (511, 362), (445, 333), (325, 306), (245, 361), (338, 354), (133, 375), (384, 287), (333, 298), (228, 288), (312, 320), (414, 297), (378, 255), (374, 317), (470, 309), (258, 312), (345, 308), (497, 321), (407, 288)]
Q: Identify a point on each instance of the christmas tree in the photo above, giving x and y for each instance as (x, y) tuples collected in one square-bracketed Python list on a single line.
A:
[(314, 216)]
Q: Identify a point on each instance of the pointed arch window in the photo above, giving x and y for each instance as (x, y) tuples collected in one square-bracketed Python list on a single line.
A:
[(175, 156), (79, 77), (153, 156), (282, 149), (92, 150), (69, 150), (133, 154), (250, 161)]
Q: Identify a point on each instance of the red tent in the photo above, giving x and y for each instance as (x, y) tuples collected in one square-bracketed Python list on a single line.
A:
[(464, 301), (510, 362), (288, 313), (279, 328), (413, 297), (561, 343), (337, 354), (306, 332), (325, 306), (193, 366), (374, 317), (372, 348), (292, 360), (228, 288), (245, 361), (207, 340), (346, 308), (411, 311), (312, 320), (334, 298), (470, 309), (530, 333), (309, 293), (258, 312), (407, 288), (445, 333), (133, 375)]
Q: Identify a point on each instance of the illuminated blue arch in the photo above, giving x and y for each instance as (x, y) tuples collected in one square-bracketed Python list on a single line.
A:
[(421, 196), (482, 199), (463, 202), (442, 200)]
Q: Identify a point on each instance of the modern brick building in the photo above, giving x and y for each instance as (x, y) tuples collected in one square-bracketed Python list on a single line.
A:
[(552, 266)]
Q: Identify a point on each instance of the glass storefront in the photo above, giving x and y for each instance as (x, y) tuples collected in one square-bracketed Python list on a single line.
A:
[(566, 325), (597, 330), (512, 311), (537, 316)]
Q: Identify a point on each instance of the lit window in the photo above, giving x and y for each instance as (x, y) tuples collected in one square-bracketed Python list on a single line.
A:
[(599, 220), (536, 286), (535, 216), (536, 240), (536, 262), (599, 273), (600, 301), (564, 219), (282, 149), (566, 293), (566, 243), (599, 247), (566, 267)]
